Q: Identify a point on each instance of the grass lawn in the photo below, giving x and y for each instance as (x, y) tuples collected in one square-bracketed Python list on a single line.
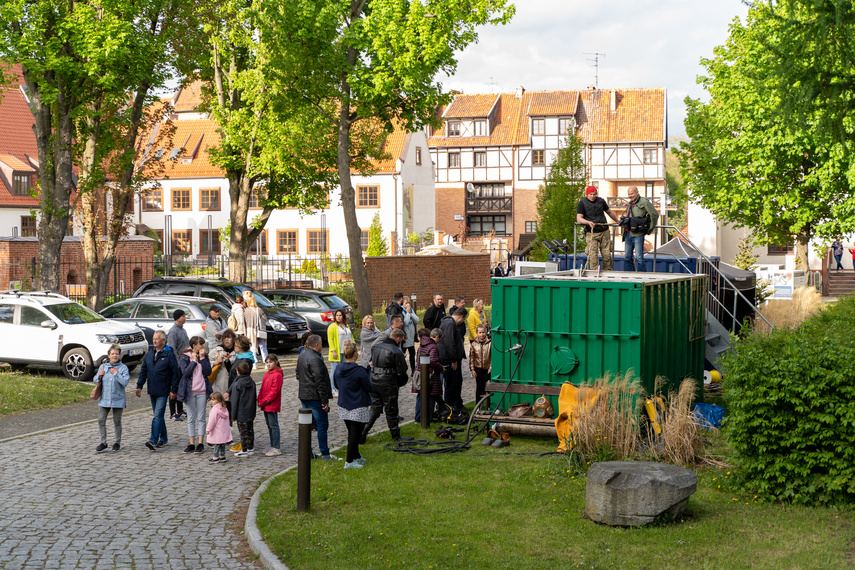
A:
[(511, 508), (22, 391)]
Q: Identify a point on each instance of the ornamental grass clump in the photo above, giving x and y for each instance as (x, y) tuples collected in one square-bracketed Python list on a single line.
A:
[(679, 441), (606, 423), (791, 409), (788, 313)]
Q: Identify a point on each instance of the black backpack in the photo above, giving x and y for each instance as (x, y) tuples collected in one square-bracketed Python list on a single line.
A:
[(451, 415)]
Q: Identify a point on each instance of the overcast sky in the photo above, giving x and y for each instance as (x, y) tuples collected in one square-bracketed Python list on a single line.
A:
[(647, 43)]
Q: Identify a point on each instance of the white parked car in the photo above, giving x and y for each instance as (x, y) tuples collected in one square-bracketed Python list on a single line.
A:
[(50, 329)]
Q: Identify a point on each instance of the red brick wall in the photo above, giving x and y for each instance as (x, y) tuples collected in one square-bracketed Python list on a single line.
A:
[(426, 275), (450, 202), (136, 257), (525, 210)]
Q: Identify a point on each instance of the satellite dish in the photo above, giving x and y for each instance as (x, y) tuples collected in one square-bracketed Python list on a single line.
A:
[(470, 187), (447, 240)]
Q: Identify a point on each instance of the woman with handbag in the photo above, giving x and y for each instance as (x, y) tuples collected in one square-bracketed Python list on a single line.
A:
[(256, 327), (113, 377)]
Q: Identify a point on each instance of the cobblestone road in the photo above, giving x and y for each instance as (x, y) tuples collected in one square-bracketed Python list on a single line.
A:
[(64, 506)]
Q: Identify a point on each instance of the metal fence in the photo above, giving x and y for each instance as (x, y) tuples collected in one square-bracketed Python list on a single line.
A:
[(127, 273)]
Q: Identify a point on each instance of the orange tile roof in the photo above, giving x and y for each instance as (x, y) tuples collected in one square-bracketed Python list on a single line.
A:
[(16, 134), (471, 106), (551, 103), (639, 116), (505, 127), (188, 98), (192, 134), (15, 164), (393, 146)]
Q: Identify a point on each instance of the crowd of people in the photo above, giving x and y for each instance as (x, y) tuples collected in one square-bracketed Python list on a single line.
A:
[(189, 374)]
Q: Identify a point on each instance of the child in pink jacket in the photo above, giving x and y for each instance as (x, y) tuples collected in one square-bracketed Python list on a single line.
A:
[(270, 401), (218, 429)]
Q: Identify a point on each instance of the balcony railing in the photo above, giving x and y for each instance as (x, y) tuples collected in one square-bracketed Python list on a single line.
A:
[(621, 202), (504, 204)]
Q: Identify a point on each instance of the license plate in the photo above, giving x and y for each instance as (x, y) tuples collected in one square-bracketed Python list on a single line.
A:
[(136, 351)]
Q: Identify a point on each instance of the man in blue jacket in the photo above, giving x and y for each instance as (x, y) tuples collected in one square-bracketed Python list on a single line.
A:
[(160, 369)]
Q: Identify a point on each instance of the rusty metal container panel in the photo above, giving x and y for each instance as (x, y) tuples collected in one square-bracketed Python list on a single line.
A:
[(577, 329)]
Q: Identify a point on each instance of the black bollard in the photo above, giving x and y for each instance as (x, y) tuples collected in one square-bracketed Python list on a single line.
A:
[(424, 393), (304, 460)]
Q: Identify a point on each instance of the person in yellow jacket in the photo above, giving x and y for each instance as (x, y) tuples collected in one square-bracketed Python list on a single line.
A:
[(337, 334), (476, 317)]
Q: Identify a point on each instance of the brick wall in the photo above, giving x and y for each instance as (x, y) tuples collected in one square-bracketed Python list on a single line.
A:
[(525, 210), (426, 275), (135, 256), (450, 202)]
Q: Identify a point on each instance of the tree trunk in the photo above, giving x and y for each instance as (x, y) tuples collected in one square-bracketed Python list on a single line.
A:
[(55, 181), (348, 203), (802, 252), (238, 243)]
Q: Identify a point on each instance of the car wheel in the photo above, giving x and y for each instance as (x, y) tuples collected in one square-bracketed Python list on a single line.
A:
[(131, 367), (18, 366), (77, 365)]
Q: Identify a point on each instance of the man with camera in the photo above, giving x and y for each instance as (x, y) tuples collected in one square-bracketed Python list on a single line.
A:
[(592, 212), (638, 221)]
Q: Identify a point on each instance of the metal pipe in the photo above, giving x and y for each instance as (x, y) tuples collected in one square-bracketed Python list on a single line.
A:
[(424, 394), (304, 460)]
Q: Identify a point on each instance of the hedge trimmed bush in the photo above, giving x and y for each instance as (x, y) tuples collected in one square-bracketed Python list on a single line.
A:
[(791, 409)]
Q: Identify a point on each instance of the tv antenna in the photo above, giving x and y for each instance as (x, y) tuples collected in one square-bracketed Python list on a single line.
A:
[(596, 65), (493, 85)]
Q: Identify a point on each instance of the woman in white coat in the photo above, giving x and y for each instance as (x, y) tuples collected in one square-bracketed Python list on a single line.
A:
[(411, 319)]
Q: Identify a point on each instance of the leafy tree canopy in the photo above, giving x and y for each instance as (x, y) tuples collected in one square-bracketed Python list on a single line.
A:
[(560, 193), (747, 164)]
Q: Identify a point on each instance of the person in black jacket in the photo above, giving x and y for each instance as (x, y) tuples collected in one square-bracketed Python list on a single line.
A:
[(451, 354), (244, 398), (314, 390), (434, 313), (388, 373), (395, 309), (354, 402), (160, 369)]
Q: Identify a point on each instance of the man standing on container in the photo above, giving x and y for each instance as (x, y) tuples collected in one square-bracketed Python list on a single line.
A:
[(641, 217), (592, 211)]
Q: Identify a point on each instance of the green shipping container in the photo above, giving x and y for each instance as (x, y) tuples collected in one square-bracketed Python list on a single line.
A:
[(577, 329)]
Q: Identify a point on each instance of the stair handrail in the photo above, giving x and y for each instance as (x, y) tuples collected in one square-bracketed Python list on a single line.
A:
[(706, 258)]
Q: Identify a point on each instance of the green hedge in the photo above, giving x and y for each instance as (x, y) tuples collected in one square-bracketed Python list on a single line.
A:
[(791, 409)]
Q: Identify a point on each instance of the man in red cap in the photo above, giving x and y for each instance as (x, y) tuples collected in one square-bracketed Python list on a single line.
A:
[(592, 211)]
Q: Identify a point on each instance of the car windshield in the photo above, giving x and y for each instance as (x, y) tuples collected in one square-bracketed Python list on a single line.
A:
[(75, 314), (235, 290), (333, 301)]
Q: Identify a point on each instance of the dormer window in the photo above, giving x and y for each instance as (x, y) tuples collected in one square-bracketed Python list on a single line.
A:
[(480, 128), (564, 126), (538, 126), (21, 184), (454, 128)]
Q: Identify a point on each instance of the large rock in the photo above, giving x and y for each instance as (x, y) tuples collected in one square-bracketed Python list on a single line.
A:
[(633, 493)]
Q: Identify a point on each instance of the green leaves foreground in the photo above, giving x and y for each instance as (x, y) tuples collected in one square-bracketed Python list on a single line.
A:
[(791, 417)]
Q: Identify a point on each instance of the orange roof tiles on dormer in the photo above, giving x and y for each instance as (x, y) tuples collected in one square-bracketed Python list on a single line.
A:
[(638, 115), (471, 106), (188, 98), (505, 127), (552, 103), (15, 164)]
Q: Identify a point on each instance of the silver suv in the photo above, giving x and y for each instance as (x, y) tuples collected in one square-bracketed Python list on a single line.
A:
[(50, 329)]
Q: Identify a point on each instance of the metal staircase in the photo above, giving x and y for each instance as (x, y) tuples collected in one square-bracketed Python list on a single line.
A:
[(717, 339)]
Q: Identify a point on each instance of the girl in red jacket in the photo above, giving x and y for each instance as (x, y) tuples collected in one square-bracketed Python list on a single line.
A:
[(270, 401)]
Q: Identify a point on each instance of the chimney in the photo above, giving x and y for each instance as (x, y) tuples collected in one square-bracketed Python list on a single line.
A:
[(613, 100), (520, 91)]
